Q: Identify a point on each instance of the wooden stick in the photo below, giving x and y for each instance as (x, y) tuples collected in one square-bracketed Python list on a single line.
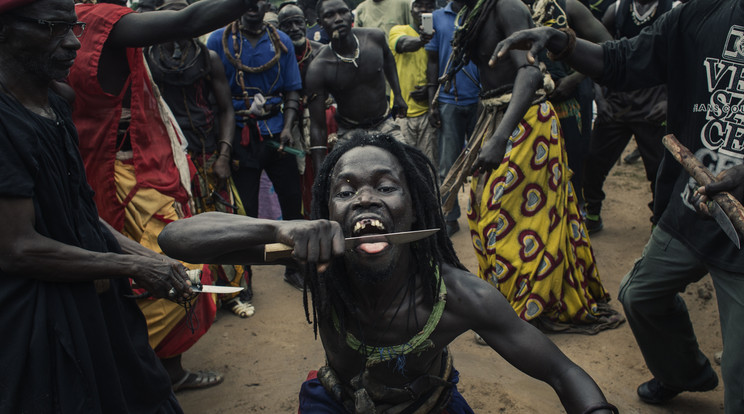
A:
[(729, 204)]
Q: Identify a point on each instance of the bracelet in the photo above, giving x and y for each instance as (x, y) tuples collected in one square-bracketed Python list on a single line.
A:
[(601, 406), (570, 45), (223, 154), (318, 147), (229, 144)]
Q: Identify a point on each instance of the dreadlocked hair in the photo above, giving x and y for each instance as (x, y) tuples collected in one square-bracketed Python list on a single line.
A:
[(468, 25), (331, 292)]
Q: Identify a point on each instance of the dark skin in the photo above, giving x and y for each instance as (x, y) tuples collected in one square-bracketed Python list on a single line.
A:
[(587, 58), (226, 113), (358, 90), (29, 61), (292, 22), (579, 18), (368, 182), (253, 28), (409, 44)]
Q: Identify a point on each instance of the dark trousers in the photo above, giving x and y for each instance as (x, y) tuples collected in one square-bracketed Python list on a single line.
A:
[(281, 169), (609, 139)]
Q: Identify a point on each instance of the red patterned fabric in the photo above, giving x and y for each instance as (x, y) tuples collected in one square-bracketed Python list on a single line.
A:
[(96, 116)]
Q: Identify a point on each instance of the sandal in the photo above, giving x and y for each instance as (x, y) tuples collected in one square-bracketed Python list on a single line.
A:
[(199, 379), (240, 308)]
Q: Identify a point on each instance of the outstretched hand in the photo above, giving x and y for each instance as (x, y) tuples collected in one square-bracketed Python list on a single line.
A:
[(532, 40), (314, 241)]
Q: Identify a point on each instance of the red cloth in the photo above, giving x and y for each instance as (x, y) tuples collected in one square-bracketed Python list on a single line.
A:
[(96, 116), (7, 5)]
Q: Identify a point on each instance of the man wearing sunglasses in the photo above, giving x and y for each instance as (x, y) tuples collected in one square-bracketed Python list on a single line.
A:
[(72, 342)]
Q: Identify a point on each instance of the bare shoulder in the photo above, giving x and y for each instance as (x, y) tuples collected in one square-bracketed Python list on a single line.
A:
[(467, 293)]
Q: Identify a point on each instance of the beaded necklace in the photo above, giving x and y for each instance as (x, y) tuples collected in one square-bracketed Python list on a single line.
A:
[(345, 59)]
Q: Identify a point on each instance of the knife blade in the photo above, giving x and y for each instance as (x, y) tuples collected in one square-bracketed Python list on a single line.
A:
[(216, 289), (724, 222), (274, 251)]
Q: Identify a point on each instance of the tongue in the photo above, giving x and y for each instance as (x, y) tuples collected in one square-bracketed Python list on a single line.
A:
[(372, 248)]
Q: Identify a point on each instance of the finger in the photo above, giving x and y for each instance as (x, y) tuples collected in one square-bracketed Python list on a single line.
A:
[(313, 249), (716, 187), (300, 249), (339, 244)]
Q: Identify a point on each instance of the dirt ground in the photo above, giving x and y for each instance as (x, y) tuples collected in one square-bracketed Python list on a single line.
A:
[(265, 358)]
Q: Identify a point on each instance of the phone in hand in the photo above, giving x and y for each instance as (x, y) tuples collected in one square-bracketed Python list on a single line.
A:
[(427, 23)]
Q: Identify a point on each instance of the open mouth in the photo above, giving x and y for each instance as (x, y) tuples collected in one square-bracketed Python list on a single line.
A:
[(370, 226)]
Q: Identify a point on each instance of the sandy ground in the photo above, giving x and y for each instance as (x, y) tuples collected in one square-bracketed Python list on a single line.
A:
[(266, 357)]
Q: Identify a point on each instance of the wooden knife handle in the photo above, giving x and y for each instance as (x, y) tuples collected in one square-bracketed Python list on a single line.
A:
[(276, 251), (729, 204)]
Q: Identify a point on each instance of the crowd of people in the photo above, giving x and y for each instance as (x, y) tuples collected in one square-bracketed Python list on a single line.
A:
[(134, 138)]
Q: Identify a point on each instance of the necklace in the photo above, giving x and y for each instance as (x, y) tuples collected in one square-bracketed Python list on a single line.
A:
[(642, 14), (345, 59)]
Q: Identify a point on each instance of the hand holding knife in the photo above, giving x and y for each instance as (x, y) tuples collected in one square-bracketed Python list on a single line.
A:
[(724, 208)]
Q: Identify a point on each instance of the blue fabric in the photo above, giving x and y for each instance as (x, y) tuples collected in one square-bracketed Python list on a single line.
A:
[(315, 400), (444, 30), (267, 82), (458, 122)]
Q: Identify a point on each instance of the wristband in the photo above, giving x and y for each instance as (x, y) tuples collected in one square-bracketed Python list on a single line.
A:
[(570, 45)]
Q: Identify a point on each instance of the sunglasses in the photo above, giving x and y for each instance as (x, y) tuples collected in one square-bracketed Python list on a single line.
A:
[(57, 29)]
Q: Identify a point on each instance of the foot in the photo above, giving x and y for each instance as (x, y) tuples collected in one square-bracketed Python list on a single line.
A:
[(295, 279), (593, 223), (654, 392), (240, 307), (199, 379), (452, 227)]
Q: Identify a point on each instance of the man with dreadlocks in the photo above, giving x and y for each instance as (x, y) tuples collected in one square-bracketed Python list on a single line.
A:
[(386, 312), (528, 234), (265, 83)]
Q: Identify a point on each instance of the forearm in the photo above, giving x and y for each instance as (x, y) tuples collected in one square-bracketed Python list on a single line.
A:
[(318, 133), (526, 83), (214, 237), (408, 44), (391, 73), (143, 29), (291, 109), (587, 57), (432, 76), (578, 391), (42, 258)]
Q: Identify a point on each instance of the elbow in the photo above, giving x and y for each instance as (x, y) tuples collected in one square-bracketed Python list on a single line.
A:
[(171, 241)]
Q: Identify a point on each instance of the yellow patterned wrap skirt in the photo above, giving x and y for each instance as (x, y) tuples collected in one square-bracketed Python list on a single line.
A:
[(526, 228)]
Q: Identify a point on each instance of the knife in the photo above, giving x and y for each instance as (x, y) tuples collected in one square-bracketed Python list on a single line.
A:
[(274, 251), (724, 222), (723, 207), (215, 289)]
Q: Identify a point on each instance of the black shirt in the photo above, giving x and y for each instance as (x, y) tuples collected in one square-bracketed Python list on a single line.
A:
[(696, 50), (66, 348)]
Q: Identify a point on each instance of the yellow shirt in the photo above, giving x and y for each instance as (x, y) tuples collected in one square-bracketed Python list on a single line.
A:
[(411, 68)]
